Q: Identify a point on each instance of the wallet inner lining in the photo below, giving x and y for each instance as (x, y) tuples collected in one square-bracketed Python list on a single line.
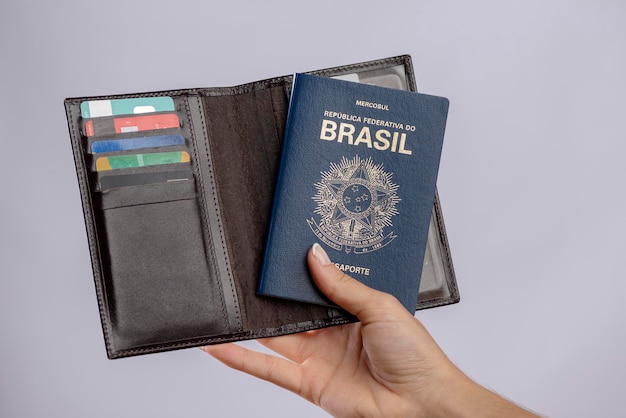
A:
[(245, 142)]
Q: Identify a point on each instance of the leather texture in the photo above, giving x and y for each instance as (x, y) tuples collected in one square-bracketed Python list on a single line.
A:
[(177, 265)]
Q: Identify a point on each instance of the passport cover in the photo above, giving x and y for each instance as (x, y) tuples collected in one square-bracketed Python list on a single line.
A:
[(176, 264), (358, 172)]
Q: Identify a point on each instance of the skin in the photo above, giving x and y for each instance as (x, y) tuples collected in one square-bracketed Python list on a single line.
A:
[(386, 365)]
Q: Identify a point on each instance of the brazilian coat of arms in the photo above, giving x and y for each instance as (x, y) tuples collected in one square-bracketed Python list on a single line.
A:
[(356, 201)]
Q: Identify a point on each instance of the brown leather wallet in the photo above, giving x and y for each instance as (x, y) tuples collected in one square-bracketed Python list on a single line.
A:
[(176, 264)]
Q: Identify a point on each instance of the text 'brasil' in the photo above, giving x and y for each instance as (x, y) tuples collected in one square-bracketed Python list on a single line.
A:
[(379, 139)]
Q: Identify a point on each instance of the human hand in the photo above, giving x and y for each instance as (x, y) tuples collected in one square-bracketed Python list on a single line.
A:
[(386, 365)]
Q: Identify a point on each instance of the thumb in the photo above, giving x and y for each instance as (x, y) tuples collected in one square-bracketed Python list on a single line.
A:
[(345, 291)]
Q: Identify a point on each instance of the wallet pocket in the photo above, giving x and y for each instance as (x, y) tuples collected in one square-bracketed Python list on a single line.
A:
[(166, 191), (159, 285)]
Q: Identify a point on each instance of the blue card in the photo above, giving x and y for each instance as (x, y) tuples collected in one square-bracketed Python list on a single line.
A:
[(111, 145)]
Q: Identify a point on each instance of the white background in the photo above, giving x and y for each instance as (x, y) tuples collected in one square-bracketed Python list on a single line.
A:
[(531, 183)]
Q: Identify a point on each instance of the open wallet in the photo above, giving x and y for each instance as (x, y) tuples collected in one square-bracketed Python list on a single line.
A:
[(176, 263)]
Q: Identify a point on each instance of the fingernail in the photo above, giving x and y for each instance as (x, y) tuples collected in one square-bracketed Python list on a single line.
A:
[(320, 255)]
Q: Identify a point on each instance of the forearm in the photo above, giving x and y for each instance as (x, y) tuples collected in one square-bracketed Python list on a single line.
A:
[(464, 398)]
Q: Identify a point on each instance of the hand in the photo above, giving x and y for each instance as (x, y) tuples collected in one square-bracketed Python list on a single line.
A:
[(387, 365)]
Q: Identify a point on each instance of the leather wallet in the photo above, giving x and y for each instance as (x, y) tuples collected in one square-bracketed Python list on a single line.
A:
[(176, 264)]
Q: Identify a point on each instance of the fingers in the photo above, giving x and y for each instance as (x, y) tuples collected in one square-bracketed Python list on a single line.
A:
[(295, 347), (350, 294), (279, 371)]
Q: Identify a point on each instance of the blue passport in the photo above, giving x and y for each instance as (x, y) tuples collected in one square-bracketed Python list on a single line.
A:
[(358, 174)]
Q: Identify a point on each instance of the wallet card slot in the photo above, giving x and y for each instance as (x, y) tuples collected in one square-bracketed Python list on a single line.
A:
[(121, 124), (159, 285), (145, 194), (169, 159), (128, 137)]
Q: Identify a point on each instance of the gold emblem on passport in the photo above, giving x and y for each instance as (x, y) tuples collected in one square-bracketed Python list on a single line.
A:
[(356, 201)]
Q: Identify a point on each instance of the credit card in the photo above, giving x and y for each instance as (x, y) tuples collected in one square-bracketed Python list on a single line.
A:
[(116, 107), (124, 180), (111, 145), (116, 162), (120, 125)]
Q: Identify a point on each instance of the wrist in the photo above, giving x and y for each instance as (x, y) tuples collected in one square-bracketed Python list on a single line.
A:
[(453, 396), (461, 397)]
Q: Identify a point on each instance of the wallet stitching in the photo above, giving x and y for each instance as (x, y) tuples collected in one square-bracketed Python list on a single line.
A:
[(223, 238), (451, 278), (205, 215), (397, 60), (275, 115), (173, 93), (221, 230), (87, 209), (251, 334), (409, 72)]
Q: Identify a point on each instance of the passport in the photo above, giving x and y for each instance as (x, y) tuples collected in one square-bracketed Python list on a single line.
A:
[(358, 175)]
